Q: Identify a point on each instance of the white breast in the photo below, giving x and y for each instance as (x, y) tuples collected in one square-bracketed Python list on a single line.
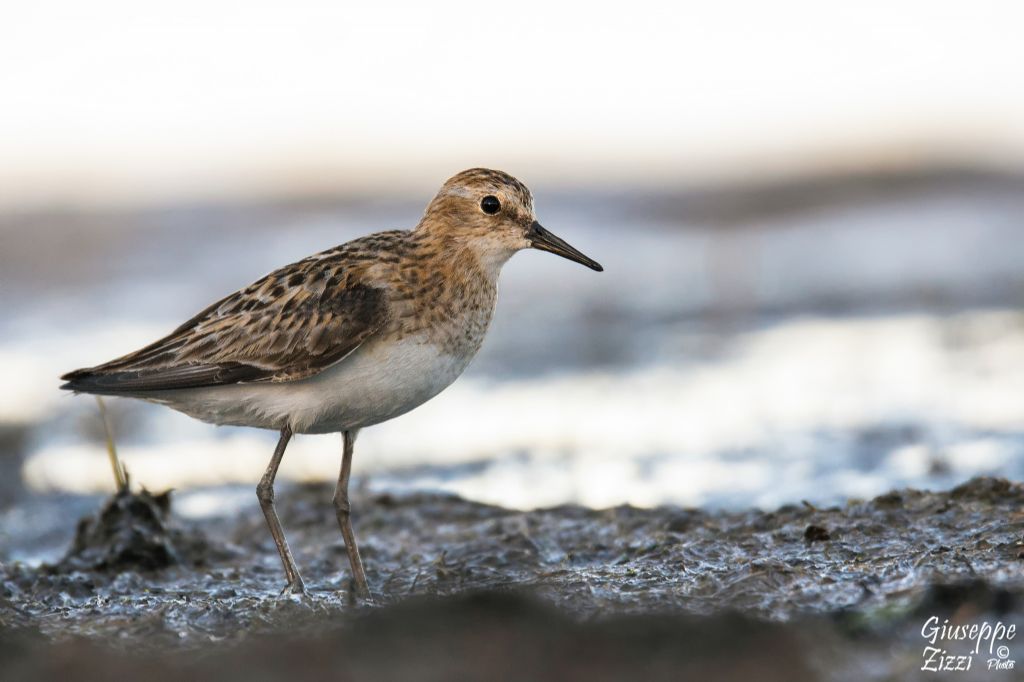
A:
[(379, 381)]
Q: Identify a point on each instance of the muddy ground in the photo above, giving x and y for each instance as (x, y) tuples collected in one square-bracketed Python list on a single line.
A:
[(469, 591)]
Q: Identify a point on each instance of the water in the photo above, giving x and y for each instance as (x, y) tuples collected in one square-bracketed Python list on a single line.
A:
[(785, 356)]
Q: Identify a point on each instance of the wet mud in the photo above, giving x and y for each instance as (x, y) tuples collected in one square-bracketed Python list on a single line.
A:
[(136, 532), (470, 590)]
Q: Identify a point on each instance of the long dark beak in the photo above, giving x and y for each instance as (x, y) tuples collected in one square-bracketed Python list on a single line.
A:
[(545, 241)]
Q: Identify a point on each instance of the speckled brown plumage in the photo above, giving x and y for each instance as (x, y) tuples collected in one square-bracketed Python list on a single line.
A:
[(306, 316)]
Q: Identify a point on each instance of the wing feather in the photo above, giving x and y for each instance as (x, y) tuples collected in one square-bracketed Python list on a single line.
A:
[(290, 325)]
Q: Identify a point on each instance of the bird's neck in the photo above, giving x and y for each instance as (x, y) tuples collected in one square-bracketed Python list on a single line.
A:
[(453, 289), (465, 259)]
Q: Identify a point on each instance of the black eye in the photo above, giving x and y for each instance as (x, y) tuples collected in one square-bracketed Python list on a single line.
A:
[(490, 204)]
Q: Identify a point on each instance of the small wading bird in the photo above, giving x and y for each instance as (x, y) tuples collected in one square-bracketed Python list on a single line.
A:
[(344, 339)]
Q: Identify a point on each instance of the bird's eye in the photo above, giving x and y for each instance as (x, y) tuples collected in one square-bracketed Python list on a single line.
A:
[(490, 204)]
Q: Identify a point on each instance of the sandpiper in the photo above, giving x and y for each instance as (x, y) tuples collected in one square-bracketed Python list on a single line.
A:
[(343, 339)]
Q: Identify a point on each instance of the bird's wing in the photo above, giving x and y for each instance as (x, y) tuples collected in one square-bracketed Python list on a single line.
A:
[(289, 325)]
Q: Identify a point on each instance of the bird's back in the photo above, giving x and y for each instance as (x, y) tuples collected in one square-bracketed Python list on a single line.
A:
[(347, 337)]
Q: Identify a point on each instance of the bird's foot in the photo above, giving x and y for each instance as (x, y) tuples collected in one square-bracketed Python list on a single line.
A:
[(294, 588), (358, 594)]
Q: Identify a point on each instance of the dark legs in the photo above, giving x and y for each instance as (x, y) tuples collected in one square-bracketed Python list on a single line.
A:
[(343, 509), (265, 493)]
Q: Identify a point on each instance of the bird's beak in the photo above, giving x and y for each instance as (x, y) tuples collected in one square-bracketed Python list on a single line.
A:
[(545, 241)]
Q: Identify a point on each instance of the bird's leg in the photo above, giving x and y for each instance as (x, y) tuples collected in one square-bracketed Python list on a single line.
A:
[(344, 511), (265, 493)]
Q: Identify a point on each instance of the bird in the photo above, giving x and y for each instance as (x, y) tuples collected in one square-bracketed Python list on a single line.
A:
[(344, 339)]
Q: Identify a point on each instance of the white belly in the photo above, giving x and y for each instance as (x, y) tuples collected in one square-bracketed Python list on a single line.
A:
[(377, 382)]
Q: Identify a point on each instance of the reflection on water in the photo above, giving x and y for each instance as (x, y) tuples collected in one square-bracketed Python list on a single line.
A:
[(816, 355), (810, 409)]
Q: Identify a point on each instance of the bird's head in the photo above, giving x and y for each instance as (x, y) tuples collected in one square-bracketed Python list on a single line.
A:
[(491, 213)]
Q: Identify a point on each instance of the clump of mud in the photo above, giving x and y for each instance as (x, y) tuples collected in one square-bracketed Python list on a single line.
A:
[(134, 532)]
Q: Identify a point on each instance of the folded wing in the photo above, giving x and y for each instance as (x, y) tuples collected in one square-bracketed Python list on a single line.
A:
[(290, 325)]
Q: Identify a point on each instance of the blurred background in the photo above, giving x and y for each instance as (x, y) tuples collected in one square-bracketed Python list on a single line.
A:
[(810, 216)]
